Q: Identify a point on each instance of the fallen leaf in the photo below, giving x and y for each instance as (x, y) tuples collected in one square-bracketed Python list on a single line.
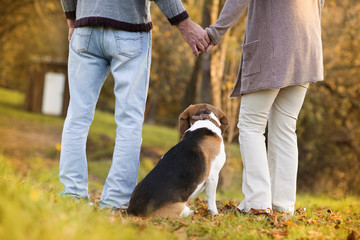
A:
[(312, 221), (300, 211), (275, 220), (147, 219), (112, 219), (275, 233), (290, 223), (215, 224), (314, 234), (277, 236), (336, 218), (354, 235)]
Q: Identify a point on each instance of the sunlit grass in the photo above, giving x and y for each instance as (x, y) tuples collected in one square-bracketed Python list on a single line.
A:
[(30, 209)]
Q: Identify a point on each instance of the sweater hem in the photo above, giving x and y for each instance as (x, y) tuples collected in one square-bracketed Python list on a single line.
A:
[(239, 94), (178, 18), (70, 15), (112, 23)]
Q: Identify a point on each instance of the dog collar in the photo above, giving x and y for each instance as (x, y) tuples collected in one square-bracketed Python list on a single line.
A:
[(206, 116)]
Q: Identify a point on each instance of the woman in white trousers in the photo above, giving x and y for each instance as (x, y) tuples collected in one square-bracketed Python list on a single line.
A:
[(281, 55), (269, 180)]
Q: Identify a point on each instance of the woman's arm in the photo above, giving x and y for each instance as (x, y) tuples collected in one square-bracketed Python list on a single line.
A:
[(230, 13)]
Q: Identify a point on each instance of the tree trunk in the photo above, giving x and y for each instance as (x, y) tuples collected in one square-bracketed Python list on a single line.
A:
[(205, 86), (192, 87)]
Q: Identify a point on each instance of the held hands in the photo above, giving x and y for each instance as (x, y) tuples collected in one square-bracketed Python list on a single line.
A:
[(195, 36)]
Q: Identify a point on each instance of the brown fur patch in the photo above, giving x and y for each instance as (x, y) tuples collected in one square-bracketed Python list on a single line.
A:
[(171, 210), (210, 145)]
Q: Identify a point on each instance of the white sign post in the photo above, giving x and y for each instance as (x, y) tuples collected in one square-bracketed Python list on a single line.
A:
[(53, 95)]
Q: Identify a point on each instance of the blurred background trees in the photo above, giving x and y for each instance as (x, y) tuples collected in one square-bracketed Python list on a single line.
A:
[(328, 126), (29, 29)]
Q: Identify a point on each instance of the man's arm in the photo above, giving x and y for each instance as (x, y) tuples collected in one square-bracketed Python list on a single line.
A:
[(192, 33)]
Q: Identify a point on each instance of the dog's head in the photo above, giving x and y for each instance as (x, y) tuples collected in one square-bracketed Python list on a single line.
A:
[(201, 112)]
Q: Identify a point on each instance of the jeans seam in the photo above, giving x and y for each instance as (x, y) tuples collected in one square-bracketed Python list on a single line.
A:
[(102, 30)]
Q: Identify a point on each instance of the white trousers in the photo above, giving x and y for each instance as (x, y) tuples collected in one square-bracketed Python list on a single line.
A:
[(269, 176)]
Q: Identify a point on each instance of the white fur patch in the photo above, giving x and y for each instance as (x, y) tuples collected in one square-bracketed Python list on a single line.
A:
[(213, 116), (207, 124)]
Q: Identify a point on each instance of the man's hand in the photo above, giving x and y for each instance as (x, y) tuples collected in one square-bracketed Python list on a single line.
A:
[(71, 25), (194, 35)]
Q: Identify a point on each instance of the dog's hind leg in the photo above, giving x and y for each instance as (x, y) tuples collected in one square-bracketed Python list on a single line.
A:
[(198, 190), (173, 210)]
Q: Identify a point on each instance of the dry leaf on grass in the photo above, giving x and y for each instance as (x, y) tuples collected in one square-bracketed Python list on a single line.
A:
[(275, 233), (353, 235), (290, 223)]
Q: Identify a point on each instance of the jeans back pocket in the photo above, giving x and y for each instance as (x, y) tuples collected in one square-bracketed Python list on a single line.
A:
[(128, 44), (81, 39)]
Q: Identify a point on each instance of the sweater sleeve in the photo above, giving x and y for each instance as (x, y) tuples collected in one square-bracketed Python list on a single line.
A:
[(173, 10), (230, 13), (69, 8)]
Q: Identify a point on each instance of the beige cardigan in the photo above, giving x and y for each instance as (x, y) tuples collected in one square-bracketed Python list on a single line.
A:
[(282, 45)]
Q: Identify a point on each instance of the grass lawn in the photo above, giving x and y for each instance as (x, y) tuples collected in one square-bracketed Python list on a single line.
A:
[(31, 209)]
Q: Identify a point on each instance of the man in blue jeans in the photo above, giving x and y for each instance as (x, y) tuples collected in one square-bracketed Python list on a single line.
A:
[(112, 35)]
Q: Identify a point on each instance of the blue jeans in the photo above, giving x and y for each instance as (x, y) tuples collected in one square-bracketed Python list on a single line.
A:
[(94, 52)]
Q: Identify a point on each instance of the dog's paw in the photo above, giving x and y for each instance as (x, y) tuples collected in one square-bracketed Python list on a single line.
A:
[(187, 212), (213, 211)]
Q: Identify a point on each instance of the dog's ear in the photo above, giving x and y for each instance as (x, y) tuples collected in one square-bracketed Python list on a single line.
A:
[(224, 123), (184, 121), (223, 119)]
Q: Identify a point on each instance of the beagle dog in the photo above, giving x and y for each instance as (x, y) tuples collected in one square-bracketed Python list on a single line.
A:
[(186, 169)]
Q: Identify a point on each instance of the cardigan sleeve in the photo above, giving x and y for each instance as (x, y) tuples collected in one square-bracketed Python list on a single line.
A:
[(230, 13), (173, 10), (69, 8)]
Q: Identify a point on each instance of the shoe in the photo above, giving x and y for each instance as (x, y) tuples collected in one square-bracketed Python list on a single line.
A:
[(122, 209), (255, 211), (266, 211), (76, 198)]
